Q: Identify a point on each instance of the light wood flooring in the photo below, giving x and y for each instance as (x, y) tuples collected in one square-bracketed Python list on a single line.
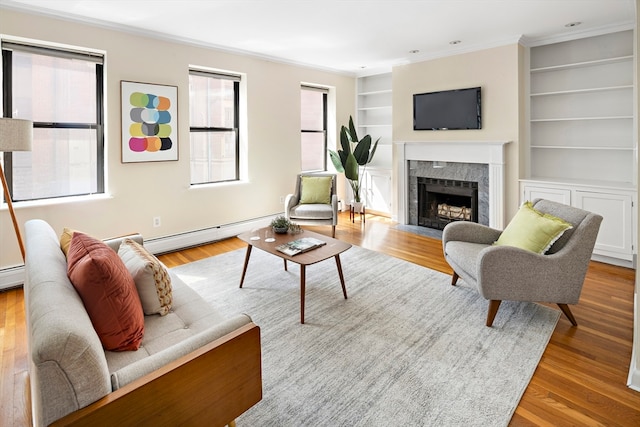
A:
[(580, 380)]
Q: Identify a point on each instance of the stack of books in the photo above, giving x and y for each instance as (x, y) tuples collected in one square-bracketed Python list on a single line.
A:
[(299, 246)]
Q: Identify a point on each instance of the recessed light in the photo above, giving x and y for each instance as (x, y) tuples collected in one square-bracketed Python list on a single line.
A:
[(455, 42), (414, 51), (573, 24)]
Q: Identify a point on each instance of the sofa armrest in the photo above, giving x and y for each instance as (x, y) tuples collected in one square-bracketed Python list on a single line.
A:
[(214, 384), (334, 207), (467, 231), (114, 242), (510, 273), (289, 202)]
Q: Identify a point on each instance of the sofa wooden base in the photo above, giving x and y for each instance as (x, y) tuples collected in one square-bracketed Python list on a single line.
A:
[(210, 386)]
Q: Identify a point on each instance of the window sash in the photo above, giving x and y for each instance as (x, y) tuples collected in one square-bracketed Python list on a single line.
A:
[(313, 150), (215, 149), (75, 169)]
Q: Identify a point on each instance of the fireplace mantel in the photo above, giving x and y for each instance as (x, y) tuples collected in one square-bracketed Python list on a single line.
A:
[(491, 153)]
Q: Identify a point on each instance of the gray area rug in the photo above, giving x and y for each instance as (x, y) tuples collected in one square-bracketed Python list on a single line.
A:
[(406, 348)]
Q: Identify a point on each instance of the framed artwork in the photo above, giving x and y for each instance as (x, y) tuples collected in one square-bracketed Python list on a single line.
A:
[(149, 122)]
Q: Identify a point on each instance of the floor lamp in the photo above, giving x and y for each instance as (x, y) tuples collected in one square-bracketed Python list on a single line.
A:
[(15, 135)]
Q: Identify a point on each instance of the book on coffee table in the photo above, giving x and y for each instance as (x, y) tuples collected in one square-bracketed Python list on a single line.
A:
[(299, 246)]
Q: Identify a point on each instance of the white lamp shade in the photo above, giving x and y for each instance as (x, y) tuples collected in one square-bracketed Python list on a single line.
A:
[(15, 134)]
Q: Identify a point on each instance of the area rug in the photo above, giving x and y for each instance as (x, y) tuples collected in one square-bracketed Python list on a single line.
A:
[(405, 348)]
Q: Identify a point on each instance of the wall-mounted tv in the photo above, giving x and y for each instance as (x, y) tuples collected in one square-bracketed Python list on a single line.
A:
[(447, 109)]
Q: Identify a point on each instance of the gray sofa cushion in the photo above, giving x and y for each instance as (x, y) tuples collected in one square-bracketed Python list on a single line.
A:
[(189, 316)]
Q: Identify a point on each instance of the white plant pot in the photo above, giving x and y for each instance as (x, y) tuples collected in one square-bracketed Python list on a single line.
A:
[(357, 206)]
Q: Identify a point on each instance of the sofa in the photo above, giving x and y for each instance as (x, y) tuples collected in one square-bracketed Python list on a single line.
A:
[(193, 366)]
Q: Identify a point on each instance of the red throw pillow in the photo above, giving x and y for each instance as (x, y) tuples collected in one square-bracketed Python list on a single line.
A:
[(107, 291)]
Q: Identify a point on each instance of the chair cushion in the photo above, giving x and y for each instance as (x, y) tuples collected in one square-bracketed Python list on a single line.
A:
[(465, 255), (533, 230), (315, 189), (152, 279), (311, 211), (107, 291)]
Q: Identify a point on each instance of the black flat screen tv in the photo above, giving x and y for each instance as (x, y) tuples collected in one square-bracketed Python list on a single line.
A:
[(447, 109)]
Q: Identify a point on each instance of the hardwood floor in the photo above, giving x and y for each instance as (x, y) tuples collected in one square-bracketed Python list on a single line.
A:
[(580, 380)]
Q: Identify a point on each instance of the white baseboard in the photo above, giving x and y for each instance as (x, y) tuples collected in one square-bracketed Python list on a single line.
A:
[(13, 277)]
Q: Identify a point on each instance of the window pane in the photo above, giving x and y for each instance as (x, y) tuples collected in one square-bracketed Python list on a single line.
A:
[(62, 163), (312, 108), (211, 102), (313, 152), (312, 118), (213, 156), (52, 89)]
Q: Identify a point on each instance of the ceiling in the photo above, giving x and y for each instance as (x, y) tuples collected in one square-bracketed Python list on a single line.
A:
[(351, 36)]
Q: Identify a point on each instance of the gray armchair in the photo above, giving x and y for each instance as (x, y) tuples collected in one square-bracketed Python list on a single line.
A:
[(313, 213), (514, 274)]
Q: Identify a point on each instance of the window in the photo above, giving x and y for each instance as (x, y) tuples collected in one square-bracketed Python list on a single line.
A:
[(62, 93), (214, 117), (313, 125)]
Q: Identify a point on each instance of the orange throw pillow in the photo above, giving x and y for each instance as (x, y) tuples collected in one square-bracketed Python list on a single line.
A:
[(107, 291)]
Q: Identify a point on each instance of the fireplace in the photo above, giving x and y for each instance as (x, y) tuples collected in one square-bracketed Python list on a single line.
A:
[(409, 156), (441, 201)]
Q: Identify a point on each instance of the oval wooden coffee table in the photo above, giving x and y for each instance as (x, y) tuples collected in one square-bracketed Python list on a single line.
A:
[(333, 248)]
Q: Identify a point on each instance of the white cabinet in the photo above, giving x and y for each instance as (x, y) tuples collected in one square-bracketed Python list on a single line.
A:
[(560, 195), (377, 190), (616, 238)]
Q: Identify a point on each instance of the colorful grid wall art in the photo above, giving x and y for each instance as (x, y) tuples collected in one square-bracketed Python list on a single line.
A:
[(149, 122)]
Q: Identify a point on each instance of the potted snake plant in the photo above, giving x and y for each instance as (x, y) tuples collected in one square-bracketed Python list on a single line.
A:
[(355, 154)]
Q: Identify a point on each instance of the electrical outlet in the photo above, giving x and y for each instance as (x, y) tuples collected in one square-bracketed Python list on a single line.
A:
[(156, 221), (281, 199)]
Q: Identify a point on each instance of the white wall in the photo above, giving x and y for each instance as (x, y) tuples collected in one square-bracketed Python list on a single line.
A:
[(140, 191), (497, 71)]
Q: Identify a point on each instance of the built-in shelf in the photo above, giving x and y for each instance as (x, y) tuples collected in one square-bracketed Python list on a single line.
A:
[(569, 147), (381, 107), (595, 89), (583, 64), (582, 142), (565, 119), (374, 117), (374, 92)]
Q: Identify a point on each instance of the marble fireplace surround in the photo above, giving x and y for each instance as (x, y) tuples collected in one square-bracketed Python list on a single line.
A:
[(491, 153)]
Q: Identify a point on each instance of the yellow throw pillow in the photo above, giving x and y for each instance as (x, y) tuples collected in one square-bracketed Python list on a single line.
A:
[(315, 189), (533, 230), (65, 239)]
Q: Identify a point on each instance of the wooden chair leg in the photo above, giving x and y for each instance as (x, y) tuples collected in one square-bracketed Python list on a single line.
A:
[(567, 312), (333, 232), (494, 305), (454, 278)]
